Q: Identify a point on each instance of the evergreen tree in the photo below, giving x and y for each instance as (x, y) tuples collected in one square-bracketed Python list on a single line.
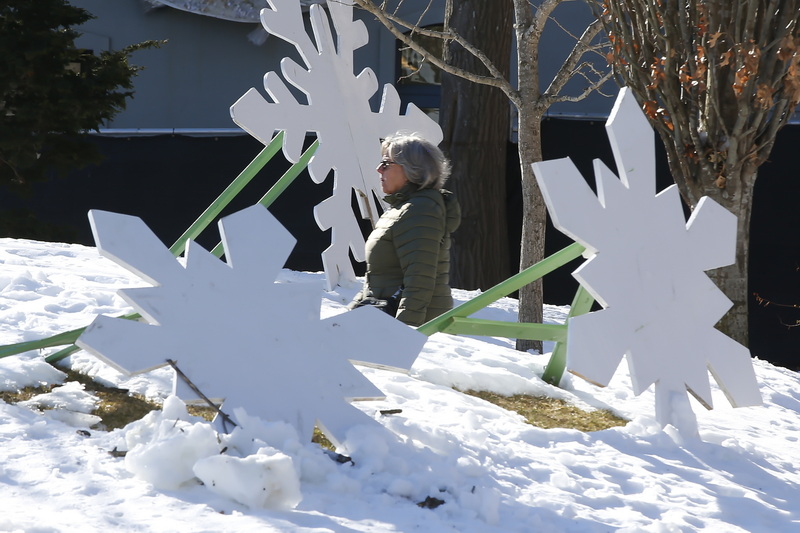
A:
[(51, 92)]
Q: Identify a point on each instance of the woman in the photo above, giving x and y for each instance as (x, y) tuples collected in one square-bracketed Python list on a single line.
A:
[(408, 252)]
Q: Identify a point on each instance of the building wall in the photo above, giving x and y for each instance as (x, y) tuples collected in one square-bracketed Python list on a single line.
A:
[(207, 63), (193, 79)]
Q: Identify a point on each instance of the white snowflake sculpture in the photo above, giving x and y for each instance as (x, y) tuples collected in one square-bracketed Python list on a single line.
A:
[(646, 268), (338, 111), (239, 335)]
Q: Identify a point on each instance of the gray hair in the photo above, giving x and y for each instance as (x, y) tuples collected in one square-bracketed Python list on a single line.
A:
[(424, 164)]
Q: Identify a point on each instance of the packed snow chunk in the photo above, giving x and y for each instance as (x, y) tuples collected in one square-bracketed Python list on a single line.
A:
[(312, 463), (267, 479), (163, 450), (73, 418), (253, 433), (27, 370), (69, 404), (369, 448), (70, 396), (173, 413), (174, 408)]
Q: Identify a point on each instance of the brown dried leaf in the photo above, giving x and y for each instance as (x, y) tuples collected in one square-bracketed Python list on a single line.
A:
[(683, 74), (764, 95), (751, 58), (700, 71), (700, 53), (741, 78), (657, 74), (665, 119), (713, 38), (786, 48), (650, 109), (702, 22)]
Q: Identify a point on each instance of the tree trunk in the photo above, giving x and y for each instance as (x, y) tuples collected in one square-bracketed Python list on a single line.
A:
[(735, 193), (534, 213), (475, 122), (732, 280), (534, 218)]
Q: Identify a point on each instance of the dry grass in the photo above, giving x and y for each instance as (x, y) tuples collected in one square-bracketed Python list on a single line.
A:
[(549, 413), (23, 394), (117, 408)]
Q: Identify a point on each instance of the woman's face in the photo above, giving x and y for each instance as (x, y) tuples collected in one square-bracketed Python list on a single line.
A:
[(393, 177)]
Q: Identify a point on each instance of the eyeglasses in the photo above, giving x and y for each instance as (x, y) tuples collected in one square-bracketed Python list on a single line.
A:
[(385, 163)]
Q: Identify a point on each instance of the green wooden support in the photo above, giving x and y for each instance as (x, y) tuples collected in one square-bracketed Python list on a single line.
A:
[(222, 201), (455, 321), (511, 330), (504, 288), (202, 222), (290, 175), (60, 339), (581, 304), (280, 185), (62, 353)]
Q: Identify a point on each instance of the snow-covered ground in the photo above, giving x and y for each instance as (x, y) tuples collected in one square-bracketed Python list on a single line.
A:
[(492, 471)]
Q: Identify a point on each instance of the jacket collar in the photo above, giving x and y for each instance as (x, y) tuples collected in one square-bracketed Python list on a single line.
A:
[(402, 195)]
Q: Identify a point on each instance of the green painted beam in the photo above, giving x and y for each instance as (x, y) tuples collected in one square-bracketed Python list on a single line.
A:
[(553, 372), (61, 339), (230, 192), (289, 176), (61, 354), (68, 337), (202, 222), (510, 330), (280, 185), (504, 288)]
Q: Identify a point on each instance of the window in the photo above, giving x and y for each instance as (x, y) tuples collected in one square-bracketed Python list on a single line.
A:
[(418, 81)]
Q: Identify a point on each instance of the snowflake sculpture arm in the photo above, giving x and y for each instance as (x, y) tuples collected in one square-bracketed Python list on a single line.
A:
[(236, 333), (338, 111), (646, 268)]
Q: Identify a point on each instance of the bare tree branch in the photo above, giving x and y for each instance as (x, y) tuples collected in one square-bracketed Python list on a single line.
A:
[(495, 79), (570, 67)]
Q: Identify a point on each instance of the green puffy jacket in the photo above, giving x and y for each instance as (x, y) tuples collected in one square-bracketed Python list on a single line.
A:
[(410, 248)]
